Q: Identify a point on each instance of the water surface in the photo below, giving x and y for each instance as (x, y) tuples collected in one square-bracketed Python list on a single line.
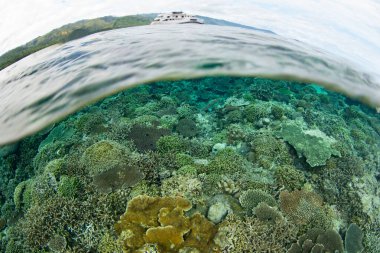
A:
[(54, 82)]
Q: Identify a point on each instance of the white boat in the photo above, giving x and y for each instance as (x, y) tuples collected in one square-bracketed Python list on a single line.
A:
[(176, 17)]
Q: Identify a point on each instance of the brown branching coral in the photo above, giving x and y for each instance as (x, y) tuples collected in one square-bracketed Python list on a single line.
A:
[(161, 221)]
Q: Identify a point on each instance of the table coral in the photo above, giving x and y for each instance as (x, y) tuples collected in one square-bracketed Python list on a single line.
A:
[(187, 127), (305, 208), (145, 137), (314, 145), (161, 221), (317, 240)]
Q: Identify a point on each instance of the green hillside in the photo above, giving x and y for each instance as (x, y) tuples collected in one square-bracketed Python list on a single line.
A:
[(73, 31)]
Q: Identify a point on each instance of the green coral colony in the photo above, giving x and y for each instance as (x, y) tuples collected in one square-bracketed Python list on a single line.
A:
[(217, 164)]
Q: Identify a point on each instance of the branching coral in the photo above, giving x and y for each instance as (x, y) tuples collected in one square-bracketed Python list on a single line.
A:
[(268, 151), (289, 177), (226, 161), (251, 235), (256, 111), (162, 221), (171, 144)]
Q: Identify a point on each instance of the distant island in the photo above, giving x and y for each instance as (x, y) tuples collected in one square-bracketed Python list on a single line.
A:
[(89, 26)]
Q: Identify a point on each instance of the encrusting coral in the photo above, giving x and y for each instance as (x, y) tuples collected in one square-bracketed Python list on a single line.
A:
[(161, 221)]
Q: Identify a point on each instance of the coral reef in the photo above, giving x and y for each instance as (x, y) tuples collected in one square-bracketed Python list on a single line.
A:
[(259, 162), (264, 212), (267, 151)]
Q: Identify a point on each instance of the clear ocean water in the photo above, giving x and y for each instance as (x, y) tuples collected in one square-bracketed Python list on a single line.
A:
[(188, 139)]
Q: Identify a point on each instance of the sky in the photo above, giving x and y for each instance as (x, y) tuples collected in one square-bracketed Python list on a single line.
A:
[(347, 28)]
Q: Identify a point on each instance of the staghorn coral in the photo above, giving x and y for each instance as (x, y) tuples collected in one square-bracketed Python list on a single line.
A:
[(69, 187), (251, 198), (184, 160), (108, 244), (82, 219), (162, 221), (187, 170)]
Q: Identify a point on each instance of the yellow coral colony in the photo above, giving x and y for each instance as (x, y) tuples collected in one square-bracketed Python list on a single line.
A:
[(161, 221)]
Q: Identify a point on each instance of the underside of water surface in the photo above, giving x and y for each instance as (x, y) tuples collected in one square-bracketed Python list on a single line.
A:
[(218, 164)]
